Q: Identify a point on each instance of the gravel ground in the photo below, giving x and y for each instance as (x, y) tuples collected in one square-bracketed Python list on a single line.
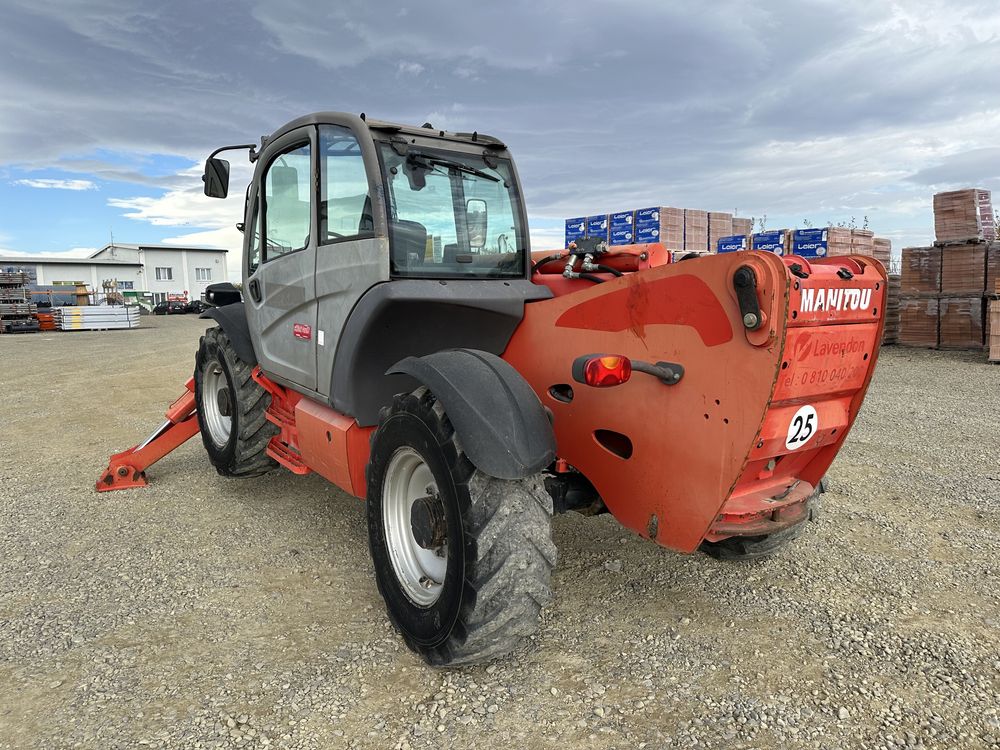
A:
[(205, 612)]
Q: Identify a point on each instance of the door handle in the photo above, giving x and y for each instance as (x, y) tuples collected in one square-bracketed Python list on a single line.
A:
[(254, 290)]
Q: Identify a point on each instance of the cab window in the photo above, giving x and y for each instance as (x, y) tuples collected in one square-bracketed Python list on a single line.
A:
[(286, 202), (345, 209), (253, 256)]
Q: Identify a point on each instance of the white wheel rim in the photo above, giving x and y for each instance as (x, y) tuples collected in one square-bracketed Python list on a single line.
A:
[(420, 572), (214, 387)]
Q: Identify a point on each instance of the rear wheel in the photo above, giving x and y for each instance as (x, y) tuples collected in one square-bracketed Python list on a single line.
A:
[(231, 409), (463, 560)]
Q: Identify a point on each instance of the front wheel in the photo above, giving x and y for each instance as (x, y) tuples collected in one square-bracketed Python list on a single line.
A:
[(232, 409), (462, 560)]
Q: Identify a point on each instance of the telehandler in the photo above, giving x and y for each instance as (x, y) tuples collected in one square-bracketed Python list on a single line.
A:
[(397, 336)]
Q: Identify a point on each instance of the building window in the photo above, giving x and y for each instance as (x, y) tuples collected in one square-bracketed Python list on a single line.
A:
[(126, 285), (203, 274), (164, 274)]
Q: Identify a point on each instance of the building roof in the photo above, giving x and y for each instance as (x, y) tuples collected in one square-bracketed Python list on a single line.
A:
[(83, 261), (178, 248)]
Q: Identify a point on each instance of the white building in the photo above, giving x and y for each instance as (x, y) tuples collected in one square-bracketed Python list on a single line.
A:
[(170, 270), (148, 272)]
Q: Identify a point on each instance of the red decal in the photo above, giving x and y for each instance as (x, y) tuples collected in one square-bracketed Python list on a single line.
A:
[(679, 300), (302, 331)]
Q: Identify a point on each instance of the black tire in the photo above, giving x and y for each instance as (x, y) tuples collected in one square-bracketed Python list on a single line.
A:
[(244, 452), (493, 591), (765, 545)]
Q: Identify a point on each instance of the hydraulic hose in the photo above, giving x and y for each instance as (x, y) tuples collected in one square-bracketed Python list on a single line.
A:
[(608, 269), (543, 261)]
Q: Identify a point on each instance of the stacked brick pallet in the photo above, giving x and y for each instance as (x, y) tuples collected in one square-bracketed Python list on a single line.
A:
[(946, 288), (963, 216), (882, 250), (742, 227), (672, 228), (993, 325), (719, 225), (680, 230), (695, 231), (892, 313)]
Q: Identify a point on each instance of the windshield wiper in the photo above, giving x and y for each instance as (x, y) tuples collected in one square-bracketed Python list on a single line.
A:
[(425, 161)]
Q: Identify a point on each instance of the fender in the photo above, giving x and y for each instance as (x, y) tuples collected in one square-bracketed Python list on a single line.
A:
[(500, 422), (233, 320)]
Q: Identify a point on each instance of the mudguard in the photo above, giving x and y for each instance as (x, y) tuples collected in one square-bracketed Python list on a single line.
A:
[(501, 424), (233, 320)]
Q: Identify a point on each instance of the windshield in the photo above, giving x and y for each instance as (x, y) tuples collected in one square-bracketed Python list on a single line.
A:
[(453, 215)]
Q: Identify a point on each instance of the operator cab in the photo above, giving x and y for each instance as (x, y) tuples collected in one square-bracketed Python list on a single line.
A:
[(452, 202), (339, 205)]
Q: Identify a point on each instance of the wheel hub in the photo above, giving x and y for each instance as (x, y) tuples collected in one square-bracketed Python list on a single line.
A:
[(225, 402), (427, 522), (216, 403), (415, 525)]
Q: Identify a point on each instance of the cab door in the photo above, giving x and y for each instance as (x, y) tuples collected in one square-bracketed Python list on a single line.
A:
[(353, 252), (279, 273)]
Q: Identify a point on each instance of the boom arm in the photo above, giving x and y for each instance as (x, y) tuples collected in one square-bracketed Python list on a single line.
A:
[(128, 468)]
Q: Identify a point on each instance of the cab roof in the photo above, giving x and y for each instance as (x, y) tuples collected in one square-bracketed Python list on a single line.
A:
[(381, 126)]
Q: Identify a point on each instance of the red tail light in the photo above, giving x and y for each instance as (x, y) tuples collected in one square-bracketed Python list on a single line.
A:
[(606, 371)]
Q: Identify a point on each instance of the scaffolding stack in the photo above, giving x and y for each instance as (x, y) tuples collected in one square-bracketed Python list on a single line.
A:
[(17, 311)]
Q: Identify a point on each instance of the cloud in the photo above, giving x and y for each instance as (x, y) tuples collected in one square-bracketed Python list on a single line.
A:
[(52, 184), (813, 109), (76, 252), (410, 68)]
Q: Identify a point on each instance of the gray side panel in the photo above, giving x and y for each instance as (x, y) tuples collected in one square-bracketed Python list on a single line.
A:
[(499, 420), (233, 320), (413, 318), (344, 272)]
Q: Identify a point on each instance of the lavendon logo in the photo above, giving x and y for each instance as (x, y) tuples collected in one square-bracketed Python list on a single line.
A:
[(815, 300)]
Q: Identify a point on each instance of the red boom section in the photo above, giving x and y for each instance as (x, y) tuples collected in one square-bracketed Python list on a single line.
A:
[(128, 468), (311, 437), (677, 463)]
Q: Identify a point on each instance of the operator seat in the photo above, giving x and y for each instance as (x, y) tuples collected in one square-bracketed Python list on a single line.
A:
[(409, 243)]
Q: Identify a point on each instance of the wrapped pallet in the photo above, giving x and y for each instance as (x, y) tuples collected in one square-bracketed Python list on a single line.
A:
[(993, 268), (863, 242), (963, 269), (920, 271), (777, 242), (695, 230), (742, 226), (918, 320), (719, 225), (963, 216), (838, 241), (672, 228), (882, 250), (890, 334), (994, 331), (961, 322), (986, 216)]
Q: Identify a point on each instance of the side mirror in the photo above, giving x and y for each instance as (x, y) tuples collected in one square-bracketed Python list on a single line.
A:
[(475, 220), (216, 178)]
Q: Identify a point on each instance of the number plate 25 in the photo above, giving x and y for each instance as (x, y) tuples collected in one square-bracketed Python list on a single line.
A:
[(804, 424)]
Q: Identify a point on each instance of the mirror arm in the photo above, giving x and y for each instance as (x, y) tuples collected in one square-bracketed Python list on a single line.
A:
[(251, 146)]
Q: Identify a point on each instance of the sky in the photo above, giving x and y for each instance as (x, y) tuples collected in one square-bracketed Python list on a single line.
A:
[(790, 111)]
